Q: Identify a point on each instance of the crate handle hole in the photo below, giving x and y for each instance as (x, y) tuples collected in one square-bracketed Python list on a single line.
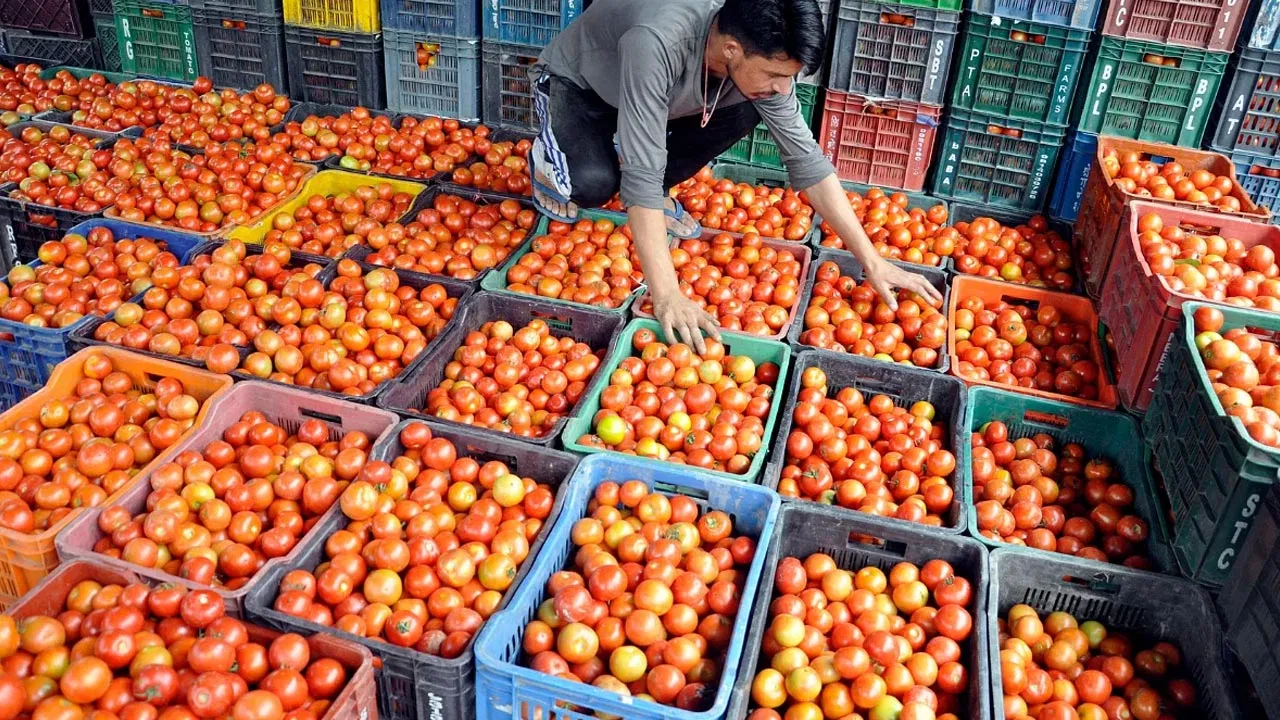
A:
[(1161, 60), (328, 42), (1021, 36), (321, 416), (1099, 584), (1037, 417), (887, 18), (694, 493), (234, 24), (889, 547), (153, 13), (1027, 302), (1200, 229)]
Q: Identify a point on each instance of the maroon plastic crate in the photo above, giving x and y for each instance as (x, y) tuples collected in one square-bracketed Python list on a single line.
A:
[(888, 143), (53, 17), (285, 406), (1200, 24)]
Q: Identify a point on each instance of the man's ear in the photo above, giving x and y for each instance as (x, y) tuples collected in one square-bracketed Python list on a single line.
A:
[(731, 49)]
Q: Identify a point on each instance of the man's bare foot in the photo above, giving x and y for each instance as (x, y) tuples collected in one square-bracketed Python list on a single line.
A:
[(560, 209)]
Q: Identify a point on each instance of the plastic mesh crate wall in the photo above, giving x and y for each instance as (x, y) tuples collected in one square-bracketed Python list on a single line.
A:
[(241, 49), (334, 67), (1132, 96), (104, 29), (1249, 112), (456, 18), (47, 17), (1018, 69), (508, 90), (978, 165), (527, 22), (1259, 175), (157, 39), (53, 50), (893, 52), (1200, 24), (354, 16), (1250, 602), (446, 85), (1078, 14), (885, 143), (758, 147)]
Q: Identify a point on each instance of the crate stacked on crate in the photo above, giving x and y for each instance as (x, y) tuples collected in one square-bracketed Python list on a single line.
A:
[(54, 32), (1248, 111), (157, 39), (102, 14), (333, 50), (885, 89), (431, 53), (1011, 100), (514, 32), (240, 43)]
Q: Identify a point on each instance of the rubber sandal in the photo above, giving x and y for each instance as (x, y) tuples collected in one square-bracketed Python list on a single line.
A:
[(678, 215), (539, 188)]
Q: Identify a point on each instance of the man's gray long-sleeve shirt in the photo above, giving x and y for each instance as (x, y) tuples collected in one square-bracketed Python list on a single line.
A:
[(645, 57)]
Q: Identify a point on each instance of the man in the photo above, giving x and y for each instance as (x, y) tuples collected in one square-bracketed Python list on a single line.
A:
[(679, 82)]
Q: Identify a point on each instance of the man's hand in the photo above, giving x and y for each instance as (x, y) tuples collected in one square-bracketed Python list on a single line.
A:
[(884, 277), (682, 320)]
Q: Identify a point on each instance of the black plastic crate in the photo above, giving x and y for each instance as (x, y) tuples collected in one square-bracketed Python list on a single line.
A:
[(55, 17), (327, 66), (104, 29), (1250, 602), (240, 49), (508, 90), (52, 50), (855, 541), (1249, 112), (102, 7), (432, 74), (25, 226), (892, 52), (413, 685), (408, 393), (905, 385), (1157, 607)]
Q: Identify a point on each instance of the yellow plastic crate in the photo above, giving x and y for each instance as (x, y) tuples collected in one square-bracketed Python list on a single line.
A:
[(359, 16), (326, 183)]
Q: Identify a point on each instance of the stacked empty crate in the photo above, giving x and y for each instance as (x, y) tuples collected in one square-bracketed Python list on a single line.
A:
[(431, 52), (240, 43), (1248, 111), (515, 31), (1016, 77), (333, 50), (1157, 71), (56, 32), (886, 86)]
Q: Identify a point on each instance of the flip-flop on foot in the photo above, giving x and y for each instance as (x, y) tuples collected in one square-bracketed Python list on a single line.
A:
[(541, 197), (677, 219)]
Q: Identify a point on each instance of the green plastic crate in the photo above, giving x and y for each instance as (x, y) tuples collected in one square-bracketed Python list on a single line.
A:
[(976, 165), (496, 281), (157, 39), (937, 4), (1017, 69), (757, 349), (1215, 474), (81, 73), (1102, 433), (1130, 97), (758, 148)]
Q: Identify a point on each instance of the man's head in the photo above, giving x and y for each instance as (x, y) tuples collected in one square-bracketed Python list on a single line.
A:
[(766, 43)]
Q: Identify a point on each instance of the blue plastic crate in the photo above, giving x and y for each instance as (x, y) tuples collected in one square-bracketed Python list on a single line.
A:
[(505, 689), (1082, 15), (528, 22), (458, 18), (1251, 172), (1073, 170), (28, 354)]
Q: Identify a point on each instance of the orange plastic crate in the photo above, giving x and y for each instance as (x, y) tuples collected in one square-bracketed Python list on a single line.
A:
[(1102, 206), (25, 559), (1073, 307)]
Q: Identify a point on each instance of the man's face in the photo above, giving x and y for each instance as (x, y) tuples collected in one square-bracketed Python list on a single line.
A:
[(758, 77)]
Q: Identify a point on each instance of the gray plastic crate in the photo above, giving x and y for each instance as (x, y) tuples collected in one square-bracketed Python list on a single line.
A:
[(240, 49), (892, 52), (446, 85), (508, 91)]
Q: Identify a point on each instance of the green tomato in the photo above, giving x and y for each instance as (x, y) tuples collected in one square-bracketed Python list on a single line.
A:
[(889, 708), (349, 163), (611, 429)]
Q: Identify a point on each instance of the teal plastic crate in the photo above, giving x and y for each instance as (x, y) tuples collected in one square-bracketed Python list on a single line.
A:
[(759, 350), (758, 147), (1216, 475), (1011, 168), (157, 39), (1132, 96), (1102, 433)]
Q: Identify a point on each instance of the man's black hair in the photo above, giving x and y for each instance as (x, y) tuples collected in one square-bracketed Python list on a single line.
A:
[(773, 28)]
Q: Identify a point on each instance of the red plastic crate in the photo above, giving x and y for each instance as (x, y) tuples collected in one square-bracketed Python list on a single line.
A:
[(1102, 206), (878, 142), (1200, 24), (1138, 307)]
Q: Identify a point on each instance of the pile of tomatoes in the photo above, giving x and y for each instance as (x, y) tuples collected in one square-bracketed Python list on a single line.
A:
[(134, 103), (79, 449), (367, 330), (671, 404), (223, 115), (911, 235), (434, 541), (845, 643), (444, 141), (1012, 344), (744, 284), (1030, 254), (1057, 668), (35, 155), (316, 139), (1244, 373), (846, 314), (331, 224), (133, 651), (1028, 491), (1136, 174), (648, 607), (867, 455), (225, 299), (503, 168), (456, 236), (741, 207), (589, 262), (215, 515), (82, 275), (228, 184), (517, 380), (1210, 266)]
